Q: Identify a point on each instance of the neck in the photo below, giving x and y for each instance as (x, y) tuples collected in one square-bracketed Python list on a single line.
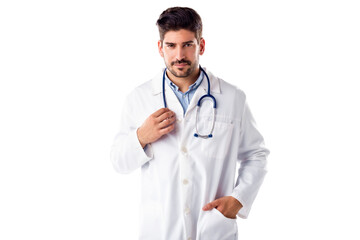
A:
[(184, 82)]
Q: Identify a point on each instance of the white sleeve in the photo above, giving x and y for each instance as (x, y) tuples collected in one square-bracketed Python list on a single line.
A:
[(252, 156), (126, 152)]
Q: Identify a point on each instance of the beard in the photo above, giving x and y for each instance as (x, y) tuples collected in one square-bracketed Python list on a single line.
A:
[(182, 74)]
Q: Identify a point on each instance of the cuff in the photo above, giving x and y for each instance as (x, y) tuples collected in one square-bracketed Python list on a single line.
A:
[(145, 154), (244, 211)]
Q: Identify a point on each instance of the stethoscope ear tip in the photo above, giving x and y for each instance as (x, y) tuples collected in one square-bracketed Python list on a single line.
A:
[(196, 135), (210, 136)]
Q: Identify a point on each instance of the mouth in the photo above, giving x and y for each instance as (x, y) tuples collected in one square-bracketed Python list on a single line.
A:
[(181, 64)]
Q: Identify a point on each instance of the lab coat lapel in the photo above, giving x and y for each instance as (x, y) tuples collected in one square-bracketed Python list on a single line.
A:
[(171, 99), (173, 102), (202, 90)]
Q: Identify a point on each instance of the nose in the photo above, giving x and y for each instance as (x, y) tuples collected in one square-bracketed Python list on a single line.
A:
[(180, 53)]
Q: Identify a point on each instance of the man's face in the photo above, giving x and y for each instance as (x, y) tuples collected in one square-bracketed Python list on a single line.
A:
[(181, 51)]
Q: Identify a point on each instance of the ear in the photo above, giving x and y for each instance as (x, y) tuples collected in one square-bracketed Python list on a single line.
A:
[(202, 46), (160, 48)]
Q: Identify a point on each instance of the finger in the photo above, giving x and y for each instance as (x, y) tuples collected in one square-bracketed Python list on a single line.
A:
[(165, 115), (159, 112), (166, 130), (167, 122), (211, 205), (207, 207)]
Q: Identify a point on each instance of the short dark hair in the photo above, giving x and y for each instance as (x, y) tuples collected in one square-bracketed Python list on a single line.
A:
[(176, 18)]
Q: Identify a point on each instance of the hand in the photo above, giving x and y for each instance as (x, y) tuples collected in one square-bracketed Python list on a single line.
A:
[(228, 206), (157, 124)]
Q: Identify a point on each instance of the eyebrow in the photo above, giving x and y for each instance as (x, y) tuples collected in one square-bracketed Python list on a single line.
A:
[(168, 43)]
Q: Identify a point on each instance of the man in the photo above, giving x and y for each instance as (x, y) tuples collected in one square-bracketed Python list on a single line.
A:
[(187, 162)]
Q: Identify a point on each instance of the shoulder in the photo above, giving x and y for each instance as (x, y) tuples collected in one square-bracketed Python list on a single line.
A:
[(146, 95), (229, 89), (150, 87), (140, 90), (229, 97)]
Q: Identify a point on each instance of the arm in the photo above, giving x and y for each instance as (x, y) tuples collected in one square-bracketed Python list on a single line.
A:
[(128, 151), (252, 156)]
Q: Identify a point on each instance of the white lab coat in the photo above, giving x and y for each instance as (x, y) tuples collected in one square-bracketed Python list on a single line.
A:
[(181, 173)]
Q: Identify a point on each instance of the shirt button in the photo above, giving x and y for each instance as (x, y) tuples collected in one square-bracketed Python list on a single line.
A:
[(185, 181), (189, 238)]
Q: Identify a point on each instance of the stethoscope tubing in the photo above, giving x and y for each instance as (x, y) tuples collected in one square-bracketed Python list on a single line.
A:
[(208, 95)]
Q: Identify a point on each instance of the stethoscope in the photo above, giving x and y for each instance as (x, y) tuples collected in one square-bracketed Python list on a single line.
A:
[(208, 95)]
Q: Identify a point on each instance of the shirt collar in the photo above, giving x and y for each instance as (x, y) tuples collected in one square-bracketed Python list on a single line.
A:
[(157, 82), (191, 87)]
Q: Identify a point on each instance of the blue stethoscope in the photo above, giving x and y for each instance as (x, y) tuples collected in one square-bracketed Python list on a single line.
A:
[(208, 95)]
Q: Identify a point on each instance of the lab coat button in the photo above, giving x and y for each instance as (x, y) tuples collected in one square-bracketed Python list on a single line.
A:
[(183, 149), (189, 238), (185, 181), (187, 211)]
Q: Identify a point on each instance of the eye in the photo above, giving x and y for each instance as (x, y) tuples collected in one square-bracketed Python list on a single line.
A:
[(188, 45), (170, 45)]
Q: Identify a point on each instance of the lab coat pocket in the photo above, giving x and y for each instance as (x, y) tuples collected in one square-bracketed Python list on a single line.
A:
[(219, 144), (217, 227)]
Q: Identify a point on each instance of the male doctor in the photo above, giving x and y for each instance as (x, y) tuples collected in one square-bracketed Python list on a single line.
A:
[(188, 188)]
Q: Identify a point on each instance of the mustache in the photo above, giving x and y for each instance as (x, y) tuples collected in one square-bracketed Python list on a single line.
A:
[(181, 61)]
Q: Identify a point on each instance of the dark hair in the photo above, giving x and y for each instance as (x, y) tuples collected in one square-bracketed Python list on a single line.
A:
[(176, 18)]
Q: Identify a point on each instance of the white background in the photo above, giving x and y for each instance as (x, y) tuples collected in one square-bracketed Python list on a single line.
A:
[(66, 67)]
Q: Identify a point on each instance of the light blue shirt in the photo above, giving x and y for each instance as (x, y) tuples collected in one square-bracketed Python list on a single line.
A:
[(185, 98)]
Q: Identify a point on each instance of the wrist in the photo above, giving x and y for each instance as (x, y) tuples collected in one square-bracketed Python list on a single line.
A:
[(238, 203), (141, 141)]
